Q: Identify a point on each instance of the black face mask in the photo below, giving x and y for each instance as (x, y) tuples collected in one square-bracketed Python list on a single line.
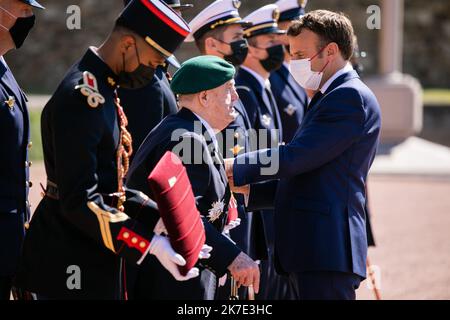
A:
[(138, 78), (275, 59), (239, 52), (20, 30)]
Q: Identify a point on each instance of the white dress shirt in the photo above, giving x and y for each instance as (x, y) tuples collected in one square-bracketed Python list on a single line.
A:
[(265, 83)]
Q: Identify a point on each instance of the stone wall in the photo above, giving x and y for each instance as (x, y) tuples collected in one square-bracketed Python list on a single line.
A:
[(52, 48)]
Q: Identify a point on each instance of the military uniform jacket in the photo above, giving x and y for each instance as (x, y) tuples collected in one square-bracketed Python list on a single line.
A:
[(169, 99), (258, 106), (291, 100), (14, 169), (77, 224), (210, 187)]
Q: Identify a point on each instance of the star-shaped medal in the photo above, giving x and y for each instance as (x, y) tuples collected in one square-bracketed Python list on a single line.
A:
[(216, 210)]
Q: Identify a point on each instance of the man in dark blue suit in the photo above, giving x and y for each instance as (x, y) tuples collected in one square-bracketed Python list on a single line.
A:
[(16, 20), (291, 98), (319, 200)]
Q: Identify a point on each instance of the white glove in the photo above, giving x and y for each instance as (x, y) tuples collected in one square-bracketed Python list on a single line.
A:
[(160, 228), (233, 224), (161, 248), (223, 281), (205, 252)]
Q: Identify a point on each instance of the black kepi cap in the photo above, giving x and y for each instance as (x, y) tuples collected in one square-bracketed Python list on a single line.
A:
[(160, 26)]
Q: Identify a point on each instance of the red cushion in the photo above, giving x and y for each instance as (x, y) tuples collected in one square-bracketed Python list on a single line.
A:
[(172, 191)]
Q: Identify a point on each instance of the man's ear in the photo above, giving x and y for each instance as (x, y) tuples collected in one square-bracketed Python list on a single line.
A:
[(203, 98), (332, 50), (210, 44), (127, 42)]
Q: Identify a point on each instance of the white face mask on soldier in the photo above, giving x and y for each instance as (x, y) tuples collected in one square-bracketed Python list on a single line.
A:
[(302, 72)]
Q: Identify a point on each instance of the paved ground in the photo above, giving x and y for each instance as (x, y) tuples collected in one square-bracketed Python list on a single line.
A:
[(412, 228)]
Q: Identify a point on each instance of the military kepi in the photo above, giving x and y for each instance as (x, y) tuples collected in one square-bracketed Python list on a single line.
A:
[(264, 21), (156, 23), (176, 4), (291, 9), (217, 14), (200, 74)]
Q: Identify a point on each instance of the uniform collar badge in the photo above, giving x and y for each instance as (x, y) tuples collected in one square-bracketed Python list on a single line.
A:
[(266, 120), (11, 102), (111, 81), (236, 149), (290, 110), (276, 14), (89, 88)]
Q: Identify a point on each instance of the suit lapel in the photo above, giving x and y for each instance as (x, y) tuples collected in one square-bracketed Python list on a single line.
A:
[(188, 115), (217, 157), (313, 104), (341, 80), (336, 83), (266, 101), (259, 92)]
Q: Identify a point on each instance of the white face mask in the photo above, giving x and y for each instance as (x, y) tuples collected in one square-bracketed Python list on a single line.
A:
[(302, 73)]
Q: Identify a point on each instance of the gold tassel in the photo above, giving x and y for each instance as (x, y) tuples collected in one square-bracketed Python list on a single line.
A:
[(124, 152)]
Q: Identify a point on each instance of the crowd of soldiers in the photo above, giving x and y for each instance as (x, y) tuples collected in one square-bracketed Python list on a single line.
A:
[(280, 80)]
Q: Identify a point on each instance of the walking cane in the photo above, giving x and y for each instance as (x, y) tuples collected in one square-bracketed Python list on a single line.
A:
[(234, 295), (251, 293), (373, 281)]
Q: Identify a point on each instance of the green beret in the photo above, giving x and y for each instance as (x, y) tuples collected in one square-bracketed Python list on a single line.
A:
[(200, 74)]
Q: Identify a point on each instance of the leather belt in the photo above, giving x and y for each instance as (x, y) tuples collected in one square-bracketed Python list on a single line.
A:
[(51, 191)]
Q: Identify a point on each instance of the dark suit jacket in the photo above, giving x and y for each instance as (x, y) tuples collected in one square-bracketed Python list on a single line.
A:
[(209, 184), (14, 169), (320, 199), (291, 100)]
